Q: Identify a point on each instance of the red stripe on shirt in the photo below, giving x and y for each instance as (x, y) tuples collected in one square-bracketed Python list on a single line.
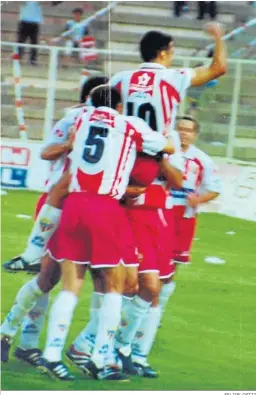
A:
[(127, 132), (172, 93)]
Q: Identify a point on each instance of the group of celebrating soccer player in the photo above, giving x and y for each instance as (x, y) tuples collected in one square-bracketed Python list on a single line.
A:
[(124, 186)]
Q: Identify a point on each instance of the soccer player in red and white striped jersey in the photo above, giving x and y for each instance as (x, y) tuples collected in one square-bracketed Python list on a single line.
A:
[(93, 223), (153, 93)]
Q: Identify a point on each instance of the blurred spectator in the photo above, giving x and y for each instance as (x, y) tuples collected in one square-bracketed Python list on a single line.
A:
[(78, 33), (179, 7), (209, 7), (54, 3), (29, 27)]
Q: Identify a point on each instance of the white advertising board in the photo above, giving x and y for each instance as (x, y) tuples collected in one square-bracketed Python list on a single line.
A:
[(21, 166), (238, 198)]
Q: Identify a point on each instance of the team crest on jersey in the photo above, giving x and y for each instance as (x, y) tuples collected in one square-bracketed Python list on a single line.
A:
[(46, 225), (142, 81)]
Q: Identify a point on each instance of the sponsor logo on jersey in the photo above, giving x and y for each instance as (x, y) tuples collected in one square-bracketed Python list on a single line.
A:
[(142, 81), (103, 117), (46, 225)]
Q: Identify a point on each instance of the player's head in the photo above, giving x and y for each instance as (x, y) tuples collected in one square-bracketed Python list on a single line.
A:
[(90, 83), (157, 47), (105, 95), (77, 14), (188, 129)]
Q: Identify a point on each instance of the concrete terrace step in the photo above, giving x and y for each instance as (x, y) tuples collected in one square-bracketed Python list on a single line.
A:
[(63, 9), (161, 20), (226, 7)]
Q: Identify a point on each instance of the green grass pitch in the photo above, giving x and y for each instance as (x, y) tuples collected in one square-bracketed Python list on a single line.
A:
[(207, 340)]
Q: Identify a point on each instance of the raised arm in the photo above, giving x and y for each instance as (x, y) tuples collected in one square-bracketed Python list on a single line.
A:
[(218, 67)]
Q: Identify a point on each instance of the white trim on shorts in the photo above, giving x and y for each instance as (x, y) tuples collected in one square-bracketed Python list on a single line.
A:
[(130, 264), (168, 276), (181, 262), (63, 259), (149, 271)]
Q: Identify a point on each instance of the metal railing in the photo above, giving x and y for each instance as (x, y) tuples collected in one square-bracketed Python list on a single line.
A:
[(239, 83)]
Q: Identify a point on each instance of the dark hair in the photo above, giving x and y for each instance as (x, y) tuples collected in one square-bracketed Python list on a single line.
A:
[(152, 43), (80, 10), (189, 118), (210, 54), (90, 83), (105, 95)]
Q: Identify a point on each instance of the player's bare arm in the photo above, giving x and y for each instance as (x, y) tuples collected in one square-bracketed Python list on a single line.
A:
[(194, 200), (55, 151), (169, 148), (218, 67), (133, 191), (172, 175)]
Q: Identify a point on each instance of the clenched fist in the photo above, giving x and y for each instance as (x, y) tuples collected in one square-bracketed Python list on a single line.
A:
[(214, 29)]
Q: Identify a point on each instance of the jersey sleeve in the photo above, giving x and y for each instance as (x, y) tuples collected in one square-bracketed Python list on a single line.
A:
[(181, 80), (59, 132), (211, 180), (147, 140), (116, 81)]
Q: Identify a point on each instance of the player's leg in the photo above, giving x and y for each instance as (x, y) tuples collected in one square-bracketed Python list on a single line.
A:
[(147, 331), (81, 349), (109, 319), (25, 301), (167, 267), (45, 225), (108, 225), (185, 240), (149, 284), (32, 325), (60, 318)]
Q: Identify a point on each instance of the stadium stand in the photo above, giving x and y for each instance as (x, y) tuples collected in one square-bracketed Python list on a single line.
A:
[(128, 21)]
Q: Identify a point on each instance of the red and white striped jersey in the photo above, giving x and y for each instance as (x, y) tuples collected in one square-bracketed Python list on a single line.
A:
[(200, 175), (105, 148), (59, 135), (153, 93)]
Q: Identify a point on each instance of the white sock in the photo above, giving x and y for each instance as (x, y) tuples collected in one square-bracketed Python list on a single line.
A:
[(134, 316), (86, 339), (60, 318), (44, 227), (109, 319), (33, 323), (145, 335), (111, 355), (25, 300), (126, 305), (166, 292)]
